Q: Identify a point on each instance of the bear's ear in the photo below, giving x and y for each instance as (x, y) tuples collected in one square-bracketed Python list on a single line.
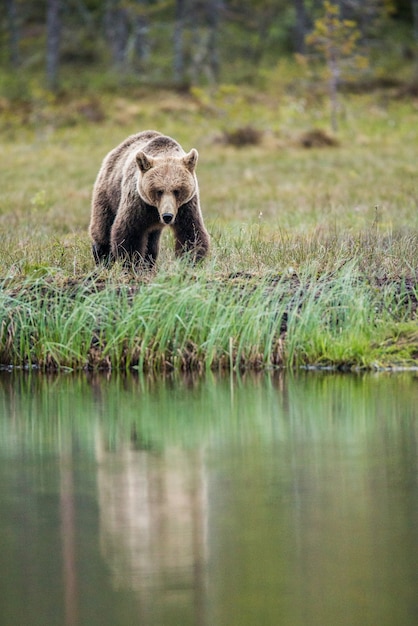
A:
[(190, 160), (144, 162)]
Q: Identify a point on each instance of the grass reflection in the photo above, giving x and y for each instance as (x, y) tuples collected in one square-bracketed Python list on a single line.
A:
[(43, 412)]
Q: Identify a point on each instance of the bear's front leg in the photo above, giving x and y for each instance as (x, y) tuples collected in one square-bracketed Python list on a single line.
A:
[(127, 243), (100, 227), (190, 232), (152, 247), (102, 254)]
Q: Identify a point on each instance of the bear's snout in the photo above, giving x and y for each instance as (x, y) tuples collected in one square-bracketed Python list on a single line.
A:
[(167, 218)]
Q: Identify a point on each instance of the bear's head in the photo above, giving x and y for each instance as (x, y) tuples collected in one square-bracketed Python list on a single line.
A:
[(167, 182)]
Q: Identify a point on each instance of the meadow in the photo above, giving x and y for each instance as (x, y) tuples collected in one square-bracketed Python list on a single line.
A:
[(314, 258)]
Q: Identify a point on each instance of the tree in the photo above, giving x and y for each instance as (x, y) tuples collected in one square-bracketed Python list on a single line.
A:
[(415, 18), (336, 40), (205, 28), (117, 30), (53, 40), (14, 34), (178, 41), (127, 32), (140, 31), (301, 26)]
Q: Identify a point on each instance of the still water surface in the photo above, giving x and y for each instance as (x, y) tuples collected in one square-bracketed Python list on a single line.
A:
[(272, 500)]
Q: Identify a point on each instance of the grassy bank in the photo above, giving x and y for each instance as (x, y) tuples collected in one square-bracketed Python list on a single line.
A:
[(340, 308), (314, 251)]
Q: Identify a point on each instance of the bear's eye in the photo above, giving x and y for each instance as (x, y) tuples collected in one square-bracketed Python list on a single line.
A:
[(177, 193), (159, 193)]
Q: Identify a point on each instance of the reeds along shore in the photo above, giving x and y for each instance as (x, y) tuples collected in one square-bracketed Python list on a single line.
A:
[(184, 319)]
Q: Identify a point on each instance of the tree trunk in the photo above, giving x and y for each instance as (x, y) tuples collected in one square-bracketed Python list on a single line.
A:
[(117, 32), (214, 12), (14, 35), (53, 40), (334, 79), (141, 30), (301, 26), (415, 18), (205, 55), (179, 26)]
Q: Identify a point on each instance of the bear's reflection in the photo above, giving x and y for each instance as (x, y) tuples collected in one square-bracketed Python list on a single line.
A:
[(153, 520)]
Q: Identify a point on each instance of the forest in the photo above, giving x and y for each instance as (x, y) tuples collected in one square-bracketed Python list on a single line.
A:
[(189, 42)]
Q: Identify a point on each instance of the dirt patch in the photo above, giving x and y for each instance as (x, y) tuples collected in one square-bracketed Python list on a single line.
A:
[(317, 138), (244, 136)]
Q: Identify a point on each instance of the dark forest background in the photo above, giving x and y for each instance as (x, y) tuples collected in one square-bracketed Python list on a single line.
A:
[(179, 43)]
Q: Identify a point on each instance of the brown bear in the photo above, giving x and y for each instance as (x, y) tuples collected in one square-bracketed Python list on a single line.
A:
[(144, 184)]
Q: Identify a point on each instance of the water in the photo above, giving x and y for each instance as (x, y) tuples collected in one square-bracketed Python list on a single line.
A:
[(219, 502)]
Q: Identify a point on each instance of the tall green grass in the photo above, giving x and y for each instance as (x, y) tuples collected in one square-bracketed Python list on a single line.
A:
[(191, 319)]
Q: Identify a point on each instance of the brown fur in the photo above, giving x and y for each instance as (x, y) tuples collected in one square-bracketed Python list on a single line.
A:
[(145, 184)]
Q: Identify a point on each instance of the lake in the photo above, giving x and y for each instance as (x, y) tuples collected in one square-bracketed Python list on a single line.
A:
[(210, 501)]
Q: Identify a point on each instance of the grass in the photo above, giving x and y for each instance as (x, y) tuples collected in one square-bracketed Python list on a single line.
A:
[(314, 251), (187, 319)]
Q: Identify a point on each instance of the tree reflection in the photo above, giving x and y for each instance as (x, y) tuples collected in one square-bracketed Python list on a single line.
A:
[(153, 520)]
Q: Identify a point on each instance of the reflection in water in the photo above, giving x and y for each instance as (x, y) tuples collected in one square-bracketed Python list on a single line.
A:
[(152, 519), (211, 502), (67, 515)]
